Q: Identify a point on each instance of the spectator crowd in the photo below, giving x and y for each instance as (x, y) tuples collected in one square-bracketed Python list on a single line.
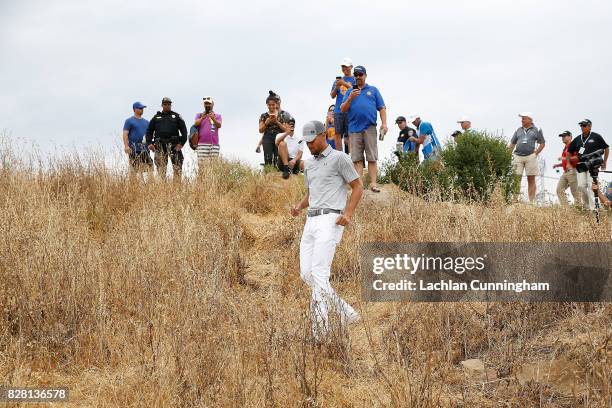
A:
[(351, 127)]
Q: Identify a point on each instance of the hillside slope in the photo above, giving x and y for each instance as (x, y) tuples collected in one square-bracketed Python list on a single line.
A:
[(150, 294)]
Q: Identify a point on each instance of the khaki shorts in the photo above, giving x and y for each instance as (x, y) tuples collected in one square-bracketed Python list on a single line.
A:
[(364, 141), (527, 163)]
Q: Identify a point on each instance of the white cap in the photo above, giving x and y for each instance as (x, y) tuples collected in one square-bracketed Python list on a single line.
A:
[(526, 115), (347, 62), (208, 99), (464, 119), (413, 117)]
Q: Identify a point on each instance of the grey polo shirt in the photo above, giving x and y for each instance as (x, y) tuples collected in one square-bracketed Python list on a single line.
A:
[(326, 176), (525, 140)]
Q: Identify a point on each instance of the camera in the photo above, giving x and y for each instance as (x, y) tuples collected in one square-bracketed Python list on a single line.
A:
[(590, 162)]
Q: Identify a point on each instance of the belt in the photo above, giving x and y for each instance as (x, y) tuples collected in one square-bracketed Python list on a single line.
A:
[(313, 212)]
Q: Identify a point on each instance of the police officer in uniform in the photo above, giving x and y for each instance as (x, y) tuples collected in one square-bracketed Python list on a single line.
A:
[(166, 136)]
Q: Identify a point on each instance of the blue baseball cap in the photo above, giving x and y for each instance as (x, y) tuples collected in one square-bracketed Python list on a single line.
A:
[(360, 69), (138, 105)]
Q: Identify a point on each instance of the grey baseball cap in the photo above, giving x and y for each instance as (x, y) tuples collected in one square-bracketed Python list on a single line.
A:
[(312, 129)]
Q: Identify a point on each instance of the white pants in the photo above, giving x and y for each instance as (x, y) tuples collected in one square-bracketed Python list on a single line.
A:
[(585, 182), (317, 248)]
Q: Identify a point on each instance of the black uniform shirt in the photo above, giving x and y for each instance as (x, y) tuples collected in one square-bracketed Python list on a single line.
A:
[(167, 127)]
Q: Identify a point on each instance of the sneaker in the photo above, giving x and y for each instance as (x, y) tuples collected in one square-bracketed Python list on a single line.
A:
[(286, 172), (352, 318)]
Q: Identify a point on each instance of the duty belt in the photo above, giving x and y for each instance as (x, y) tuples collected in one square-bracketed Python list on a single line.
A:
[(313, 212)]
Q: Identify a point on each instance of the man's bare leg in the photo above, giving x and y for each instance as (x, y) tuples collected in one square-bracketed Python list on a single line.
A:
[(283, 152), (359, 167), (531, 188), (372, 171)]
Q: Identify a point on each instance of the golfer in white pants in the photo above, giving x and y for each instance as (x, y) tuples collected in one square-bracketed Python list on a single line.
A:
[(326, 176)]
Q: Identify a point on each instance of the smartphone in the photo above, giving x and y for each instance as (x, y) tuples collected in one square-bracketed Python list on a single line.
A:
[(207, 109), (338, 77)]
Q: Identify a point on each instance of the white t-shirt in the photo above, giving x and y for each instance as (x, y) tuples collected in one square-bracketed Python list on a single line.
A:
[(294, 144)]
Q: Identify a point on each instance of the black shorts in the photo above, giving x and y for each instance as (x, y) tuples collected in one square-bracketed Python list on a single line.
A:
[(140, 160), (295, 170)]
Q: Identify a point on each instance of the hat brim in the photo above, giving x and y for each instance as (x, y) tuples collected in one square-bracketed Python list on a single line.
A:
[(309, 138)]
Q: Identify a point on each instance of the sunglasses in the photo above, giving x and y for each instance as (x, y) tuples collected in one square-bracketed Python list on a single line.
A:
[(358, 74), (166, 103)]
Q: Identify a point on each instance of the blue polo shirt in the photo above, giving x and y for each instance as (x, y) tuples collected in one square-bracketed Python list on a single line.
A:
[(342, 91), (136, 131), (364, 108), (431, 145)]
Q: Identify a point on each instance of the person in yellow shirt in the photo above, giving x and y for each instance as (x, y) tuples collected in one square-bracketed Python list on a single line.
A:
[(333, 138)]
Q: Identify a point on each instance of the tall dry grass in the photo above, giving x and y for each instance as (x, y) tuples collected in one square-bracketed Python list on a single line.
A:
[(154, 294)]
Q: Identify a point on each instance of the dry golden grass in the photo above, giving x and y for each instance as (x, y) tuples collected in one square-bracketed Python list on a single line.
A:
[(152, 294)]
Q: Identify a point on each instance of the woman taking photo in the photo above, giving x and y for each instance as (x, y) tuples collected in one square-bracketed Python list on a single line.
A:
[(271, 123)]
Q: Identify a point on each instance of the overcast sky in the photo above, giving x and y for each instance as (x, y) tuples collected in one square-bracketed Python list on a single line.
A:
[(71, 69)]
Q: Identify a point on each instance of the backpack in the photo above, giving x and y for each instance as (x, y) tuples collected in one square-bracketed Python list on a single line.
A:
[(194, 137)]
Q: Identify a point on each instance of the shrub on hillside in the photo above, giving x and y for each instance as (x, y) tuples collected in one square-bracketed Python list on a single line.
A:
[(470, 167), (479, 162), (428, 179)]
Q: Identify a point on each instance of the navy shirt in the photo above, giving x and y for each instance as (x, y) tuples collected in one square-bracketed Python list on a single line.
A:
[(342, 91), (136, 131), (404, 135), (363, 109)]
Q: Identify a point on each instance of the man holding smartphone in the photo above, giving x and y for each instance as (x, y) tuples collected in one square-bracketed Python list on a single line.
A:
[(290, 149), (339, 88), (362, 103), (208, 124)]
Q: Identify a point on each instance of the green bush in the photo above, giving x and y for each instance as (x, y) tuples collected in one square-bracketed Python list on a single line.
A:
[(428, 179), (470, 167), (480, 162)]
